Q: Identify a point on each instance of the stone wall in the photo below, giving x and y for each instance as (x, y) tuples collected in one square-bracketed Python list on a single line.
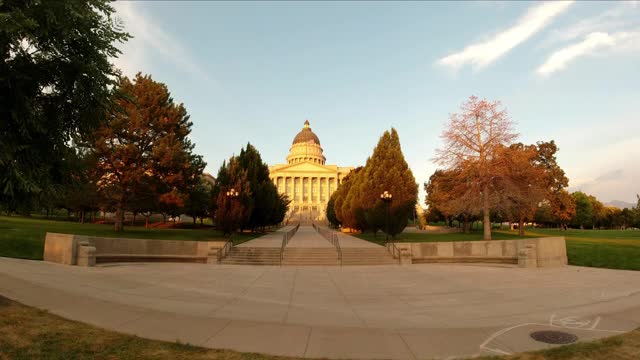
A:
[(61, 248), (68, 249), (544, 252)]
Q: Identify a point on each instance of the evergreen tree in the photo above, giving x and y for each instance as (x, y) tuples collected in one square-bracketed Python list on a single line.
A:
[(388, 171), (343, 215), (231, 212), (357, 202), (266, 203), (331, 211), (262, 205)]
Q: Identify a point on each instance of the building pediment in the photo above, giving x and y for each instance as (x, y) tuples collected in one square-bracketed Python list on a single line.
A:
[(305, 167)]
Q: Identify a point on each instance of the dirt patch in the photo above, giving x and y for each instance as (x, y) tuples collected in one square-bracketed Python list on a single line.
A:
[(4, 302)]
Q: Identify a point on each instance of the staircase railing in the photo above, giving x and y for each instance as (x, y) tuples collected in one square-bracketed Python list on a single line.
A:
[(393, 249), (285, 240), (224, 251), (332, 237)]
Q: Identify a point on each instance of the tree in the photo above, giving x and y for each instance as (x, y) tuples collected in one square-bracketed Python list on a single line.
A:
[(359, 197), (259, 204), (331, 212), (636, 213), (266, 204), (143, 146), (470, 142), (346, 218), (56, 85), (521, 180), (232, 212), (198, 200), (563, 208), (584, 210), (599, 212), (449, 192)]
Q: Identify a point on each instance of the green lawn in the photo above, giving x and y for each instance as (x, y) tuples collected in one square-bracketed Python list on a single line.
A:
[(24, 237), (613, 249)]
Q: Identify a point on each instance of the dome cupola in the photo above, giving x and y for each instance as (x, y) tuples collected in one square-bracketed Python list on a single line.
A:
[(306, 135), (306, 147)]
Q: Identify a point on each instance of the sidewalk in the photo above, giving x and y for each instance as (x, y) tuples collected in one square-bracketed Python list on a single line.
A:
[(271, 240), (363, 312)]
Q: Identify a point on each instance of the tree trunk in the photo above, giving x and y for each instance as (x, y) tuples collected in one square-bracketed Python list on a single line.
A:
[(521, 226), (146, 222), (201, 221), (194, 221), (81, 216), (119, 224), (466, 226), (486, 216), (133, 221)]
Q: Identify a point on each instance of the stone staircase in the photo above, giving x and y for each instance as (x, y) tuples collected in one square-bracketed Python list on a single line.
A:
[(367, 256), (253, 256), (310, 256)]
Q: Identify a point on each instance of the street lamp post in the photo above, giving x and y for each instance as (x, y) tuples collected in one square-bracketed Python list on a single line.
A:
[(386, 197), (232, 195)]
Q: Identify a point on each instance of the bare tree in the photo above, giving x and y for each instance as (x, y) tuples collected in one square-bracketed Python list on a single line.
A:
[(470, 142)]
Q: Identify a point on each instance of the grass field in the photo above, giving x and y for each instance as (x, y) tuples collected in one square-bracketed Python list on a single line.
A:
[(29, 333), (24, 237), (613, 249)]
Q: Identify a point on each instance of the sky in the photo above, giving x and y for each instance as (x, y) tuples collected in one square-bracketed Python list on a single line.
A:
[(254, 71)]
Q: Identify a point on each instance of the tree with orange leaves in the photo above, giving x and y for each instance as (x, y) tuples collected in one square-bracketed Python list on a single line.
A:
[(471, 139), (522, 182), (143, 147)]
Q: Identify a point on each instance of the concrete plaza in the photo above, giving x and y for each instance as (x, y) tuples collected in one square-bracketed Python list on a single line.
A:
[(399, 312)]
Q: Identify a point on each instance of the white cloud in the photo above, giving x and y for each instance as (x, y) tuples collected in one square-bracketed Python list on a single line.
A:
[(592, 43), (623, 14), (150, 41), (482, 54)]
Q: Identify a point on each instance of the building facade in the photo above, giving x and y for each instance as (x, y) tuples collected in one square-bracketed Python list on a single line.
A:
[(306, 179)]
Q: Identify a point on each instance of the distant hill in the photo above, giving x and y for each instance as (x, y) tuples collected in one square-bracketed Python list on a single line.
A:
[(620, 204)]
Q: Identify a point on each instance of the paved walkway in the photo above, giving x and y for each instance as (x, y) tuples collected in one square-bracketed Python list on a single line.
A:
[(271, 240), (366, 312), (306, 237)]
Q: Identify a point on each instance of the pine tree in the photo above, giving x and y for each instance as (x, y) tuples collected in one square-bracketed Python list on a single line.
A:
[(343, 214), (358, 204), (231, 212), (262, 204)]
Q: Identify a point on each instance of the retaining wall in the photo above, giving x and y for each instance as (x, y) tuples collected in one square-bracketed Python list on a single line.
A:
[(534, 252), (65, 249)]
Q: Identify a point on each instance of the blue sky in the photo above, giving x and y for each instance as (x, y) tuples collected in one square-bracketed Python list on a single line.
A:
[(254, 71)]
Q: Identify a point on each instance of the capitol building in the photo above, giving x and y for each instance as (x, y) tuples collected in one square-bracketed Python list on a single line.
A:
[(306, 179)]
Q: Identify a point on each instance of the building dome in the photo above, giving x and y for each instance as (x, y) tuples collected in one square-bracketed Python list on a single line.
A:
[(306, 136), (306, 147)]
